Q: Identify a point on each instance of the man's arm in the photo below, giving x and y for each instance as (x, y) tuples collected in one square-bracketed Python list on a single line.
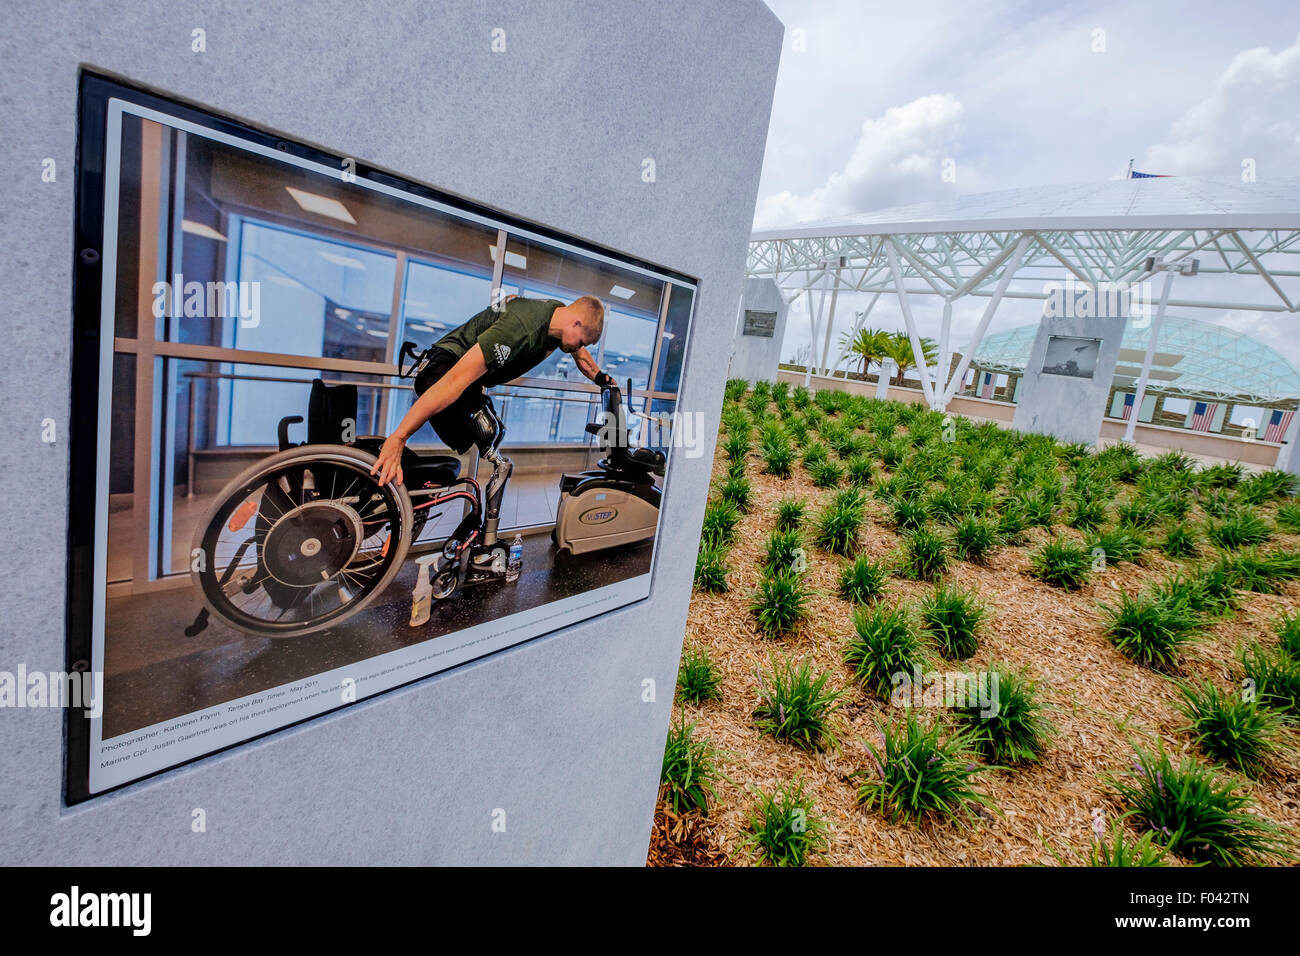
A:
[(587, 365), (468, 369)]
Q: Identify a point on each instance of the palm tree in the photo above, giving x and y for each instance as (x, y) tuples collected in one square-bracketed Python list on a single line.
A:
[(899, 348), (868, 345)]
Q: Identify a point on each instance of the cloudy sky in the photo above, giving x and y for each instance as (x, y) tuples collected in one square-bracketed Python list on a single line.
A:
[(1023, 94)]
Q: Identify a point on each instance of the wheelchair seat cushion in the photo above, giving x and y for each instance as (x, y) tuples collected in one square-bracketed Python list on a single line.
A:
[(432, 470), (417, 468)]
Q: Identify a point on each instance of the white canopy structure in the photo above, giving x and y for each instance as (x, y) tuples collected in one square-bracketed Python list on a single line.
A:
[(1012, 244)]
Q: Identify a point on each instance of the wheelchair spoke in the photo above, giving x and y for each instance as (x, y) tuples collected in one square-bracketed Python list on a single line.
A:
[(264, 504)]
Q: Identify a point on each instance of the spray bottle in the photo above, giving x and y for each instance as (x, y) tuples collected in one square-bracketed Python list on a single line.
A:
[(422, 596)]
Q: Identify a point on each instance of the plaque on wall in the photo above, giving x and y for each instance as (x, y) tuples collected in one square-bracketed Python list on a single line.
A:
[(1071, 356), (760, 323)]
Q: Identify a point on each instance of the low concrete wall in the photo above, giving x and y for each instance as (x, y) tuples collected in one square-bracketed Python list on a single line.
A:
[(960, 404), (1226, 447), (1196, 443), (852, 386), (1002, 412)]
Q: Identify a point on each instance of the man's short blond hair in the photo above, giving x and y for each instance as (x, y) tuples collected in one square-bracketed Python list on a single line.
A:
[(591, 313)]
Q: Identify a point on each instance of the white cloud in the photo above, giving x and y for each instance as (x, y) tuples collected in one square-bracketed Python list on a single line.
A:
[(897, 159), (1251, 113)]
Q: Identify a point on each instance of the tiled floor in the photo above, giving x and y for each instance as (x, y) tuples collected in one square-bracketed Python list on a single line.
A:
[(153, 672)]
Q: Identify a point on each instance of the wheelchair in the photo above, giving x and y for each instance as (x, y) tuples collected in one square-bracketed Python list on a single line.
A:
[(307, 538)]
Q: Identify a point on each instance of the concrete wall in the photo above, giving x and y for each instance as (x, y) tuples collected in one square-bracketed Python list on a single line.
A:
[(756, 357), (1068, 408), (555, 130)]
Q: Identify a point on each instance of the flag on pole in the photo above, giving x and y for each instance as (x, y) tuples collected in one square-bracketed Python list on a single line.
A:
[(1278, 422), (1134, 174), (1203, 415), (986, 389), (1128, 406)]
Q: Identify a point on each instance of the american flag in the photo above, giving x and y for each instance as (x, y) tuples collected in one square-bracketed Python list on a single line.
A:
[(986, 390), (1128, 406), (1202, 415), (1136, 175), (1277, 425)]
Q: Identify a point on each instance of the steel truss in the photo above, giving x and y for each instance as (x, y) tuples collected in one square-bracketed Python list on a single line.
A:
[(984, 263)]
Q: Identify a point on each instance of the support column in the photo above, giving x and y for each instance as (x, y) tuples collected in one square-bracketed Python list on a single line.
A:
[(945, 353), (887, 370), (918, 355), (1148, 358), (1017, 256), (949, 368), (812, 339), (830, 319)]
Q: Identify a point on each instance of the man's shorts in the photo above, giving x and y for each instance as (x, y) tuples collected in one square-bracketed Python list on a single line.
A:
[(451, 424)]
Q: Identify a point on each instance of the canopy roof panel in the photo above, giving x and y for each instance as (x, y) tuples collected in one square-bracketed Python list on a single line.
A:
[(1169, 203)]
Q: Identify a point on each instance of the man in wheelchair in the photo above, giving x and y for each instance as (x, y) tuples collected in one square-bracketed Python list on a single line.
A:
[(306, 538), (493, 347)]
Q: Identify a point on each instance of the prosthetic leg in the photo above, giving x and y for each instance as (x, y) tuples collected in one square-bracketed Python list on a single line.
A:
[(474, 553)]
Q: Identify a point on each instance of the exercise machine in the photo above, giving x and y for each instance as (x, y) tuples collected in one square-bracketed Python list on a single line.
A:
[(616, 503)]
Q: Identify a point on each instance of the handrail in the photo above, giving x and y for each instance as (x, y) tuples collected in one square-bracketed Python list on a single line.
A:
[(524, 381), (514, 392), (232, 376)]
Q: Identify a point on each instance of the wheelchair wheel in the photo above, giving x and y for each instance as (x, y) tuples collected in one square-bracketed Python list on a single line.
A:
[(301, 541)]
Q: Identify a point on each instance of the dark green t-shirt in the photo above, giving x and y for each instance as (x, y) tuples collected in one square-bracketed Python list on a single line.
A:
[(514, 340)]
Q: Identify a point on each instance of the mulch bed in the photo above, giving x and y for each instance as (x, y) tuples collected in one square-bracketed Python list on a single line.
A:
[(683, 840), (1100, 703)]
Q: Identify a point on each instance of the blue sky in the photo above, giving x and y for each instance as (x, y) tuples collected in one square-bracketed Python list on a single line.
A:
[(1023, 94)]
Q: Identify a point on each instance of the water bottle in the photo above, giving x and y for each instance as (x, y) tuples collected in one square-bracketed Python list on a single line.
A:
[(516, 558), (422, 596)]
